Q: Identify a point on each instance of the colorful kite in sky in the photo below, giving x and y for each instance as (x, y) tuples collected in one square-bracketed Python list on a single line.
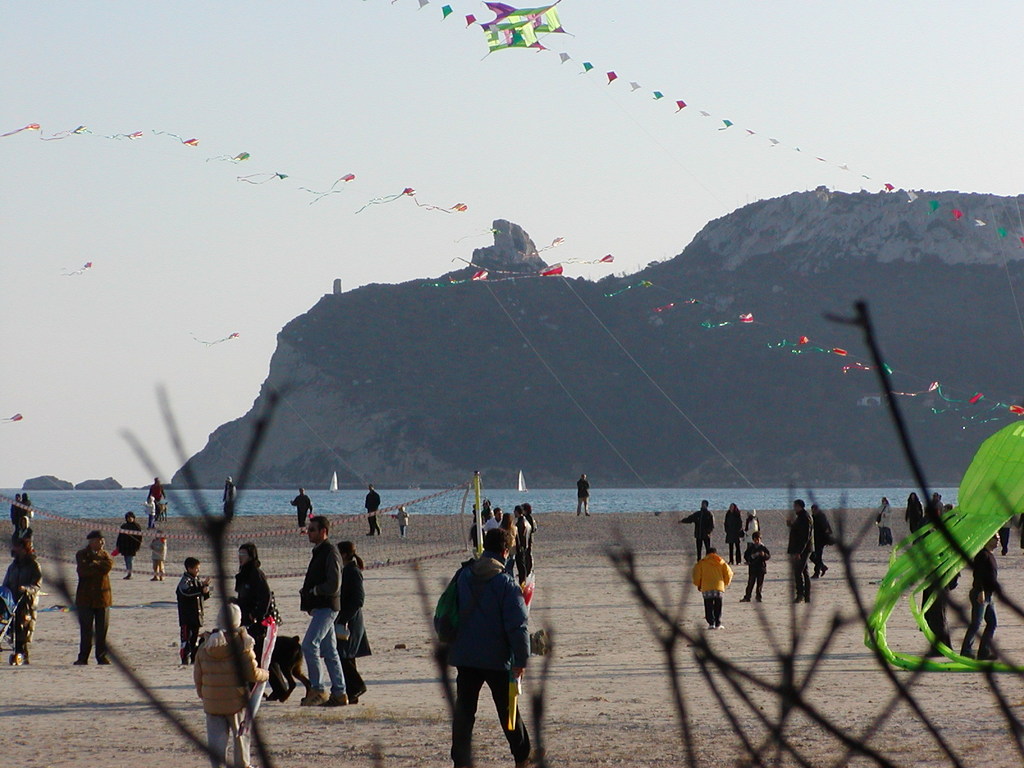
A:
[(218, 341), (240, 157), (261, 178), (333, 190), (15, 417), (29, 127), (64, 134), (187, 142), (519, 27), (79, 271)]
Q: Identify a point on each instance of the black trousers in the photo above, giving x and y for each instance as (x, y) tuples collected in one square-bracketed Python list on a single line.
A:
[(734, 547), (354, 683), (467, 694), (755, 580), (703, 541), (819, 564), (300, 516), (374, 524), (190, 643), (92, 624), (713, 611), (801, 580)]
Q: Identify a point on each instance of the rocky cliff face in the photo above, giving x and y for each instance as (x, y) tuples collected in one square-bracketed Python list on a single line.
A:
[(407, 385)]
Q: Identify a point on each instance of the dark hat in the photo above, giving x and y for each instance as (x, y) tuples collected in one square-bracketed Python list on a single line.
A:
[(94, 535)]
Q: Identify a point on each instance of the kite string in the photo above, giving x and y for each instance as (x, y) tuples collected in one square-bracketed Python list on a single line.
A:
[(658, 387), (1006, 268), (565, 389), (321, 439)]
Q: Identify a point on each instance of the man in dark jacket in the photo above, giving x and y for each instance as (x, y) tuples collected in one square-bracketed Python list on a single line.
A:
[(822, 538), (372, 504), (492, 647), (320, 597), (129, 540), (303, 507), (801, 545), (984, 588), (93, 598), (583, 496), (703, 524)]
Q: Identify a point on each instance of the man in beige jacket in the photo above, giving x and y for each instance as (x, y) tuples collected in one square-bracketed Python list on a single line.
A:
[(217, 682)]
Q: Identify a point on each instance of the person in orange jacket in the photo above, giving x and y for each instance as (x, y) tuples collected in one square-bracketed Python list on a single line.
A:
[(712, 575)]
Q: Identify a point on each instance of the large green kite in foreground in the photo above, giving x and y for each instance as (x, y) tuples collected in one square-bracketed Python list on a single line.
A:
[(991, 492)]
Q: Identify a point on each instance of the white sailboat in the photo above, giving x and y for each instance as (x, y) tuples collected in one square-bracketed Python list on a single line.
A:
[(334, 482), (522, 482)]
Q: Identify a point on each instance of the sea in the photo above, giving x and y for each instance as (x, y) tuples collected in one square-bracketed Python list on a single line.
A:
[(107, 504)]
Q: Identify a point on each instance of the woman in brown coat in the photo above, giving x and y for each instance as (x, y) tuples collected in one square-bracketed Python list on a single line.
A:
[(217, 682)]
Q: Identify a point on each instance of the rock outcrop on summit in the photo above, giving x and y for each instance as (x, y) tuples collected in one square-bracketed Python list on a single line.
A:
[(410, 385)]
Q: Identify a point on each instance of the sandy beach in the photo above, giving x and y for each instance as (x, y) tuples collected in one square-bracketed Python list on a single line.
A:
[(608, 695)]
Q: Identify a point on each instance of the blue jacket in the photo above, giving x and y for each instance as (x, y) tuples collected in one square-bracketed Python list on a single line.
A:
[(493, 630)]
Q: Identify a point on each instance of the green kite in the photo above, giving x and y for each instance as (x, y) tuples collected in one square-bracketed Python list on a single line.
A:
[(991, 492)]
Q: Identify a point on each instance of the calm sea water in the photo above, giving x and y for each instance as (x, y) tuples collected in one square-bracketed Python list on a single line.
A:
[(90, 504)]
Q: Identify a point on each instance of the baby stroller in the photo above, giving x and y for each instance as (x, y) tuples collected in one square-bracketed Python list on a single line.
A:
[(8, 616)]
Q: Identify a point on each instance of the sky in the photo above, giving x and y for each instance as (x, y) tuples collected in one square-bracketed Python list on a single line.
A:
[(921, 95)]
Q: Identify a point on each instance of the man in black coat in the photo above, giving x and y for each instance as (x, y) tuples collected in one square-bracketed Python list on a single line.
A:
[(801, 544), (703, 524), (303, 507), (372, 504)]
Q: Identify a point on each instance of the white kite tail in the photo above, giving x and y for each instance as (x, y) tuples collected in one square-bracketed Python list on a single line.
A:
[(256, 697)]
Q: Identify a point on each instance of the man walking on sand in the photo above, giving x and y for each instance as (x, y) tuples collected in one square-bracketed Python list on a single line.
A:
[(372, 504), (320, 597), (303, 508), (93, 598), (583, 495), (492, 647), (801, 545)]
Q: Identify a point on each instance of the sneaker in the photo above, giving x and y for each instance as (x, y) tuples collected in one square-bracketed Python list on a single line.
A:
[(336, 700), (81, 662), (314, 699), (128, 576), (712, 626), (104, 661), (154, 579), (745, 599), (719, 625)]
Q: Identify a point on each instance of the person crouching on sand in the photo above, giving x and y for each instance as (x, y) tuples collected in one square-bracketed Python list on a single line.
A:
[(712, 575)]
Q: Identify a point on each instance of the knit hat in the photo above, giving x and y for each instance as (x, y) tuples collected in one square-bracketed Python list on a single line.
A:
[(230, 617), (94, 535)]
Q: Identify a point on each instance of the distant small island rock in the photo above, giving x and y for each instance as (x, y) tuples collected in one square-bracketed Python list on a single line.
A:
[(107, 484), (46, 483)]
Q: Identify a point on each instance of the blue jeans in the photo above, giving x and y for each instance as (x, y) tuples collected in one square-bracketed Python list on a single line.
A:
[(319, 643)]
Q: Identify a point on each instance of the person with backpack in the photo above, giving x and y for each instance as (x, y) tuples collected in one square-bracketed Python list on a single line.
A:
[(491, 646)]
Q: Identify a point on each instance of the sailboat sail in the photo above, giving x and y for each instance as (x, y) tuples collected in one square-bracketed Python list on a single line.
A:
[(334, 481), (522, 481)]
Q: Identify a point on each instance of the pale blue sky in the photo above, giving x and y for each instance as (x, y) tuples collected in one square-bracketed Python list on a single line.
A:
[(920, 94)]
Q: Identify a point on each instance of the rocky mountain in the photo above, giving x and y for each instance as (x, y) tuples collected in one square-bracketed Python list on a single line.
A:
[(653, 378), (46, 483)]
